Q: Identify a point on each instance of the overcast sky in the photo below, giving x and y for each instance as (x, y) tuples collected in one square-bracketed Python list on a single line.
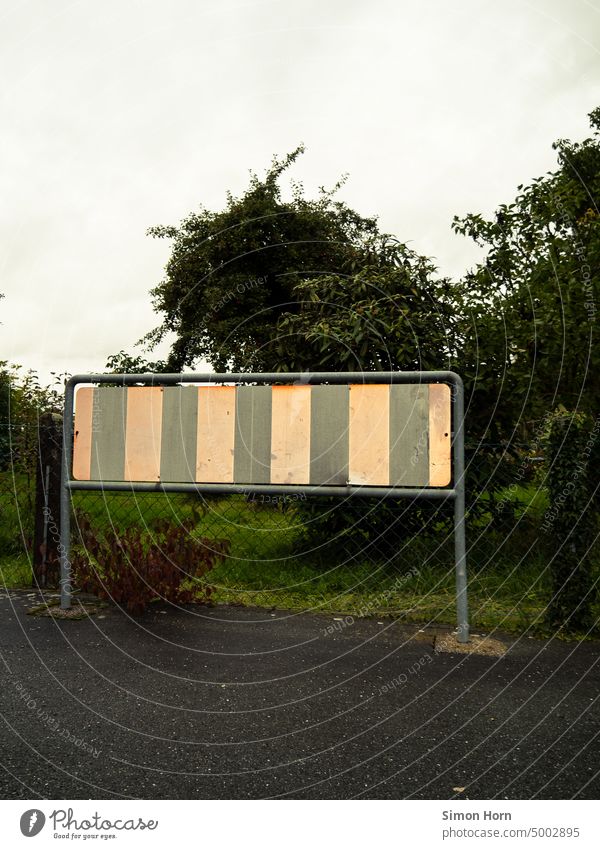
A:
[(124, 114)]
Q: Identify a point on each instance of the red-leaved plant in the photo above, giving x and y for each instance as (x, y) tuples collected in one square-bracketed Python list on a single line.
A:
[(137, 565)]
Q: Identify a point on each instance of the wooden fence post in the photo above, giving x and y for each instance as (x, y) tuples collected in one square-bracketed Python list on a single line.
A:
[(46, 537)]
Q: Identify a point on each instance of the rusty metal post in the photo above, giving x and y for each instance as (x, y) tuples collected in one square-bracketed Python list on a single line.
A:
[(47, 501)]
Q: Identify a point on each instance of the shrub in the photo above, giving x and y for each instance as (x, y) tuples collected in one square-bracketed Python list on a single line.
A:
[(571, 520), (361, 528), (138, 565)]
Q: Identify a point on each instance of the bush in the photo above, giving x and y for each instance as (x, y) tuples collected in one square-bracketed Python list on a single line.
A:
[(365, 527), (138, 565), (571, 453)]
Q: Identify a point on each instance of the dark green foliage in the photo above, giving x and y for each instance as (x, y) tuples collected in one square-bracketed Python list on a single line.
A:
[(528, 314), (4, 420), (135, 566), (23, 402), (17, 496), (530, 309), (232, 274), (124, 363), (360, 528), (571, 472), (391, 314)]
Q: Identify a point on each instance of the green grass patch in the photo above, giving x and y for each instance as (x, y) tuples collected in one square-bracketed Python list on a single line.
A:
[(15, 571), (507, 588)]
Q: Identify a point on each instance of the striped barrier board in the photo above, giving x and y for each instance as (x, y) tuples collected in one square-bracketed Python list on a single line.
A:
[(377, 434), (391, 435)]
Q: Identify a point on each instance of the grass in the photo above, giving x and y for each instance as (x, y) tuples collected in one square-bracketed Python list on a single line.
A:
[(506, 591), (15, 571), (270, 565)]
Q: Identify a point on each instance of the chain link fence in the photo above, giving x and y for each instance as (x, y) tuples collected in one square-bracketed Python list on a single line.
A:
[(279, 551), (354, 557), (350, 557)]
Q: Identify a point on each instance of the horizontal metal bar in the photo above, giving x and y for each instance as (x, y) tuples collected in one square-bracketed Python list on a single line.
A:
[(267, 489), (307, 377)]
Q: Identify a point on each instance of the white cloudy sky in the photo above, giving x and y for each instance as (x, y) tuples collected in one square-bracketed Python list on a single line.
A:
[(121, 114)]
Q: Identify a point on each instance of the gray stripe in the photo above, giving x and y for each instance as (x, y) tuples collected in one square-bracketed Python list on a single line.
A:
[(409, 435), (252, 453), (179, 434), (109, 419), (329, 419)]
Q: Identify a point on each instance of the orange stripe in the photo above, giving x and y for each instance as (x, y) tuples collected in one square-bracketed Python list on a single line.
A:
[(143, 433), (369, 436), (82, 441), (216, 434), (290, 434), (439, 435)]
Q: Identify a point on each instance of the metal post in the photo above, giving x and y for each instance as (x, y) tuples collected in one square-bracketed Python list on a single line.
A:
[(460, 554), (47, 501), (65, 499), (45, 529)]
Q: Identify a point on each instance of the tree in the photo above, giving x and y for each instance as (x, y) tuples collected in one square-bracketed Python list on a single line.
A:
[(391, 314), (124, 363), (23, 403), (271, 284), (531, 307), (23, 400), (232, 274)]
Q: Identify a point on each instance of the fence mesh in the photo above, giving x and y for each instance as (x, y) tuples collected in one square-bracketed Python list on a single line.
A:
[(280, 552), (348, 556)]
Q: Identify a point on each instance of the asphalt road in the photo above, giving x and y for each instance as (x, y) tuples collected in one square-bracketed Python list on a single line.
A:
[(239, 703)]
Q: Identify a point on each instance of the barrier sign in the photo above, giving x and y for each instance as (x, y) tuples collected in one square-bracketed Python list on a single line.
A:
[(385, 434)]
